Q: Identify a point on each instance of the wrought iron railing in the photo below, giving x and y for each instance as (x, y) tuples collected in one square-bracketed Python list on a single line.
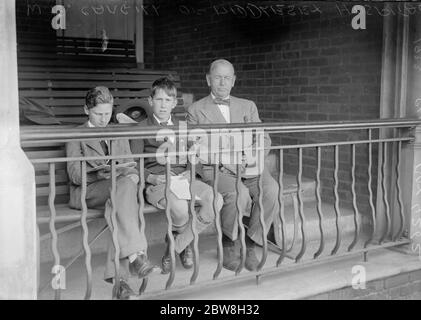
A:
[(388, 134)]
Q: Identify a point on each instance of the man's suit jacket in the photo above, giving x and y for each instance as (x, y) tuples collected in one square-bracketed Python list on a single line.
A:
[(152, 166), (90, 149), (205, 111)]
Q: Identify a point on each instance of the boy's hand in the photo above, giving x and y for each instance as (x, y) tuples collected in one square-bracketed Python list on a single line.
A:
[(105, 174), (186, 174)]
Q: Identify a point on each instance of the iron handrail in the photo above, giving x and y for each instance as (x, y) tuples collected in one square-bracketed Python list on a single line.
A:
[(37, 134)]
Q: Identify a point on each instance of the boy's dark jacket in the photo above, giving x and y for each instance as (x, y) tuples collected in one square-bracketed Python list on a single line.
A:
[(150, 146)]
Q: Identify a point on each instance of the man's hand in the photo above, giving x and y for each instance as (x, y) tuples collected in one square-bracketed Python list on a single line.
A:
[(186, 174), (156, 179), (125, 171), (103, 174)]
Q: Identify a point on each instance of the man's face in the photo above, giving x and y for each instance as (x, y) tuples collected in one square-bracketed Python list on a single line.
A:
[(162, 104), (221, 80), (100, 115)]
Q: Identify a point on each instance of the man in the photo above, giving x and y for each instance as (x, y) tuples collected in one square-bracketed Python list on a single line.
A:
[(162, 100), (220, 107), (132, 243)]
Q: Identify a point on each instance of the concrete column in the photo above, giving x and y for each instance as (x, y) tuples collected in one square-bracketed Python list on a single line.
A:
[(413, 153), (413, 205), (18, 247), (389, 95)]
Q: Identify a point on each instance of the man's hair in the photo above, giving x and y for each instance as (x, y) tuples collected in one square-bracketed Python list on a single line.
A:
[(219, 61), (165, 84), (97, 96)]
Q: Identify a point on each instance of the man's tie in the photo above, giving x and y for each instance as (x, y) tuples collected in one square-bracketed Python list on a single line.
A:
[(164, 123), (104, 147), (222, 101)]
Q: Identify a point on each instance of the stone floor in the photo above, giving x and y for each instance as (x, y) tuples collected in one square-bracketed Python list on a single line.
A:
[(291, 281)]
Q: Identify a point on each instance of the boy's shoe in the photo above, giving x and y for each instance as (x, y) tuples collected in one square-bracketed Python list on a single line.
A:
[(141, 267), (166, 263), (166, 258), (124, 291), (186, 257)]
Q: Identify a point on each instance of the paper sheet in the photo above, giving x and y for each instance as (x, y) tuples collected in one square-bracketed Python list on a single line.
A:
[(180, 186)]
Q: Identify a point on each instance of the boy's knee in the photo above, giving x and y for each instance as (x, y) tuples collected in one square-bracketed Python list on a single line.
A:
[(125, 183), (219, 201), (179, 212), (243, 197), (271, 190)]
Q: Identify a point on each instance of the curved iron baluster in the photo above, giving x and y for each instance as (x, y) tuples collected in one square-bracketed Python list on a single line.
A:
[(294, 222), (384, 191), (261, 215), (54, 239), (85, 234), (370, 190), (143, 286), (354, 201), (242, 234), (114, 228), (281, 208), (192, 212), (337, 210), (217, 221), (319, 205), (399, 192), (300, 206), (169, 223), (141, 210)]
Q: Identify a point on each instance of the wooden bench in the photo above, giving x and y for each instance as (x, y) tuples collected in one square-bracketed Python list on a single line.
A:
[(40, 49), (62, 90), (71, 217)]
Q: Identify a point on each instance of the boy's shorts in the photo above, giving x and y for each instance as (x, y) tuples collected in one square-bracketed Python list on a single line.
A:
[(155, 193)]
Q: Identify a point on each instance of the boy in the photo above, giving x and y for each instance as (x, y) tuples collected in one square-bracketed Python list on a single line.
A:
[(132, 243), (162, 100)]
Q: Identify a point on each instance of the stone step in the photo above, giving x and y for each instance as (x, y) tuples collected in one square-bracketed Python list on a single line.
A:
[(76, 274)]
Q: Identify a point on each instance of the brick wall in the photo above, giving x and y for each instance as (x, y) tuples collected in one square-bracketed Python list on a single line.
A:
[(405, 286), (34, 16), (301, 65), (149, 16)]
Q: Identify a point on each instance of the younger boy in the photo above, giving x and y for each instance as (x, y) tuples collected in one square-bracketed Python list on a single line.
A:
[(162, 100)]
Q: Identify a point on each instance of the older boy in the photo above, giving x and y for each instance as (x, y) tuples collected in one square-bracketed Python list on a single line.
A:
[(162, 100), (132, 243)]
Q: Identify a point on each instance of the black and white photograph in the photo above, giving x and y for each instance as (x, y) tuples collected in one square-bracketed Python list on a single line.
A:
[(212, 155)]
